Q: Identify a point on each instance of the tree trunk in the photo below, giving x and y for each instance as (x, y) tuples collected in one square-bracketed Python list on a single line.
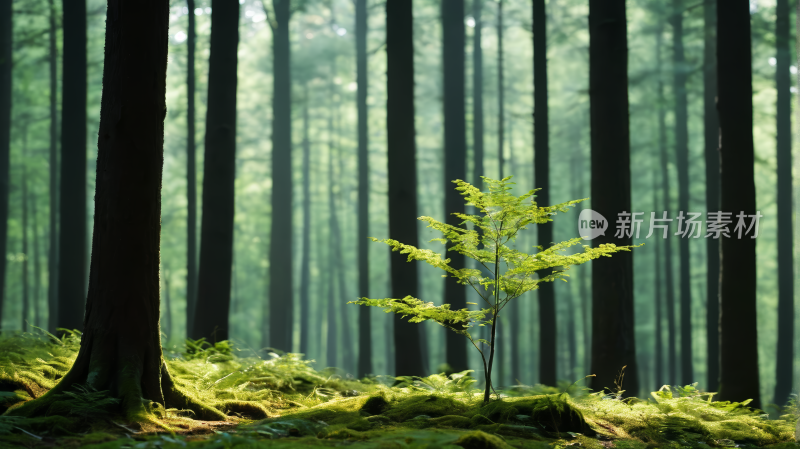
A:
[(541, 143), (25, 298), (167, 307), (120, 347), (658, 353), (402, 177), (613, 344), (6, 40), (305, 278), (364, 322), (72, 248), (672, 350), (711, 142), (477, 96), (52, 262), (281, 316), (455, 167), (783, 83), (191, 176), (738, 328), (219, 174), (682, 153), (37, 271)]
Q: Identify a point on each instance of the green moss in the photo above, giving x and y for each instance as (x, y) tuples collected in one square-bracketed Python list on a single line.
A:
[(481, 440), (409, 406)]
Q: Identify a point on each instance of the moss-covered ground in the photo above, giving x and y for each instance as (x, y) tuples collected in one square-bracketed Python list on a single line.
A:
[(280, 401)]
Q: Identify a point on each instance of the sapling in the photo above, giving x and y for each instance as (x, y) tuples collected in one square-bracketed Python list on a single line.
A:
[(503, 216)]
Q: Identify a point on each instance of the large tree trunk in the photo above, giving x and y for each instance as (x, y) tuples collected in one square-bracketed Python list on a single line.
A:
[(785, 355), (219, 174), (364, 321), (541, 144), (121, 348), (402, 177), (711, 145), (455, 166), (672, 350), (72, 247), (52, 261), (280, 302), (191, 176), (682, 153), (613, 344), (305, 255), (738, 328), (6, 26)]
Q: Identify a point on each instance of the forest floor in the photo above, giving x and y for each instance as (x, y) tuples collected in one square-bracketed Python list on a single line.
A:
[(279, 401)]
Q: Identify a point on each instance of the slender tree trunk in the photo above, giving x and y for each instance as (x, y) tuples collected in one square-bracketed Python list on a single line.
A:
[(738, 328), (785, 356), (71, 254), (541, 143), (332, 340), (477, 96), (305, 278), (280, 307), (364, 322), (500, 90), (672, 350), (37, 271), (191, 176), (659, 340), (219, 174), (402, 177), (711, 141), (52, 263), (6, 53), (25, 298), (455, 167), (613, 344), (120, 347), (682, 153)]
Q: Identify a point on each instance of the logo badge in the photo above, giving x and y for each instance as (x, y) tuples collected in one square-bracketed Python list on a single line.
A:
[(591, 224)]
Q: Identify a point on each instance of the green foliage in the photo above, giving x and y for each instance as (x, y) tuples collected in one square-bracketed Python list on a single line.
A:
[(503, 217), (84, 402)]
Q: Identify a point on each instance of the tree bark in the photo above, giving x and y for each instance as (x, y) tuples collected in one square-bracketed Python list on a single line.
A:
[(785, 355), (477, 96), (305, 277), (191, 175), (120, 347), (25, 297), (613, 344), (364, 321), (281, 315), (455, 167), (711, 145), (72, 248), (52, 262), (672, 347), (402, 168), (6, 53), (219, 174), (738, 328), (37, 271), (682, 153), (541, 144), (658, 353)]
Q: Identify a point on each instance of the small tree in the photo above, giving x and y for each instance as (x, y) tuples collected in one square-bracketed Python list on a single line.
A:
[(504, 215)]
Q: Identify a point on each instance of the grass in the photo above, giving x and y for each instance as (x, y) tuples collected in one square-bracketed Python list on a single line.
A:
[(280, 401)]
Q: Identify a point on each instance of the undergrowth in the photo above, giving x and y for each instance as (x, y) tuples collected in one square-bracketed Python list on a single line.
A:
[(279, 400)]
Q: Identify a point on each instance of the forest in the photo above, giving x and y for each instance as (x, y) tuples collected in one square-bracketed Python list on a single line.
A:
[(432, 224)]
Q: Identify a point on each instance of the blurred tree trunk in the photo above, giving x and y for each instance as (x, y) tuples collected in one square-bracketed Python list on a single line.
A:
[(682, 152), (219, 175), (500, 90), (738, 328), (6, 52), (24, 182), (672, 349), (305, 278), (783, 83), (280, 307), (658, 366), (455, 159), (477, 96), (191, 175), (72, 247), (613, 344), (711, 143), (541, 144), (120, 348), (364, 322), (402, 177), (37, 271), (52, 262)]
